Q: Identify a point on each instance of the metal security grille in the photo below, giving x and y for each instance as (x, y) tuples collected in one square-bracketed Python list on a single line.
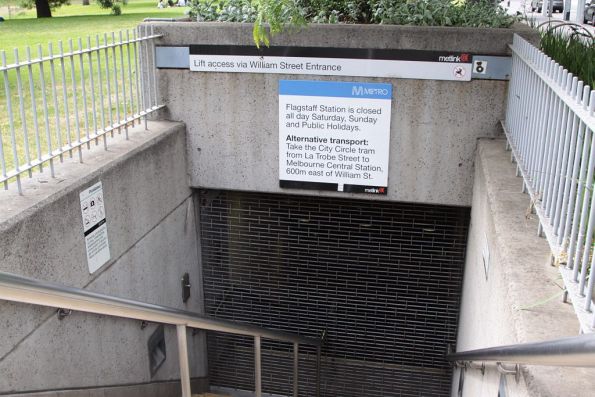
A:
[(381, 280)]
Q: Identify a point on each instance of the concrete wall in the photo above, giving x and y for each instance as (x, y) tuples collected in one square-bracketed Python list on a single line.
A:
[(232, 119), (510, 305), (153, 241)]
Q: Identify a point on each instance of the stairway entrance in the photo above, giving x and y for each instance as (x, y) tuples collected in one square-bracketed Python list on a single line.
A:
[(381, 280)]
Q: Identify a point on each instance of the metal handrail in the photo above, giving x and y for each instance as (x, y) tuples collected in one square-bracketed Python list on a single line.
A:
[(27, 290), (576, 351)]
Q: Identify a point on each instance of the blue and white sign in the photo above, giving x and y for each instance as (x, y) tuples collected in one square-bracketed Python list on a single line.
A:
[(334, 135)]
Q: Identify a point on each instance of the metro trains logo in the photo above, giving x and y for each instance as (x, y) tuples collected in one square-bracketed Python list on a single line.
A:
[(463, 58)]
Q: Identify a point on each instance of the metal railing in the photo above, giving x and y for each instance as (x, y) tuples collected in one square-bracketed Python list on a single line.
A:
[(57, 102), (26, 290), (577, 351), (549, 128)]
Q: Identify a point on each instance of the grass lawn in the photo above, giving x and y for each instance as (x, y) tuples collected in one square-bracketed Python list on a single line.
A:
[(74, 21), (69, 22)]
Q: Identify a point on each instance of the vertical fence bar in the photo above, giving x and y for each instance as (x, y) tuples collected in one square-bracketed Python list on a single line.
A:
[(65, 96), (558, 116), (3, 162), (145, 71), (92, 83), (116, 88), (537, 104), (75, 102), (22, 111), (34, 107), (583, 196), (555, 120), (108, 81), (591, 284), (84, 92), (55, 100), (121, 45), (257, 367), (183, 354), (562, 160), (13, 140), (153, 67), (137, 71), (130, 76), (45, 110), (559, 158), (573, 152), (101, 99), (563, 178)]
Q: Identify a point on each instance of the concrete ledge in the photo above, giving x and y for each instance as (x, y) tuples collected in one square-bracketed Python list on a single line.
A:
[(510, 305), (434, 38), (152, 234)]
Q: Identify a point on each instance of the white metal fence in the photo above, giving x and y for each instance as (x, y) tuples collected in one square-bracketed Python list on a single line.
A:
[(550, 126), (54, 103)]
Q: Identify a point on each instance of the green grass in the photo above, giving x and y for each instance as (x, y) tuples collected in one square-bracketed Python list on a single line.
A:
[(25, 30), (74, 21)]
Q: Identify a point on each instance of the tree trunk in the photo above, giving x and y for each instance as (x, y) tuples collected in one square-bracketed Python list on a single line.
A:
[(85, 2), (43, 9)]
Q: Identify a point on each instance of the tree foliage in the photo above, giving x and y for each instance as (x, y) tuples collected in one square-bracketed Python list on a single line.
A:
[(273, 16), (44, 7), (114, 5)]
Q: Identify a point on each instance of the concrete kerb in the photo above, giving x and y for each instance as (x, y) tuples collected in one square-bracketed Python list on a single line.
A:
[(513, 301)]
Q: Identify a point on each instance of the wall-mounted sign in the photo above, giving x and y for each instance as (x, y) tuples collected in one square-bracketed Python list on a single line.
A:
[(334, 135), (94, 226), (323, 61)]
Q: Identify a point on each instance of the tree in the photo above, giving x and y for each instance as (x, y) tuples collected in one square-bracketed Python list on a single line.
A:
[(44, 7)]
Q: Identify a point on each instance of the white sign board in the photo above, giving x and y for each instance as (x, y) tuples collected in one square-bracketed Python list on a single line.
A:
[(94, 226), (334, 135), (357, 62)]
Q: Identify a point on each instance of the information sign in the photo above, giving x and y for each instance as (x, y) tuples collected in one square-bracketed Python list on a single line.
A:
[(334, 135), (94, 226)]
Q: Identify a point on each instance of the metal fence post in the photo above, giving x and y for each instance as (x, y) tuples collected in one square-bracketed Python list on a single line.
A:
[(257, 368)]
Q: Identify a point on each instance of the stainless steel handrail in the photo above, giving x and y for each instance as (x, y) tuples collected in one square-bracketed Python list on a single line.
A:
[(576, 351), (27, 290)]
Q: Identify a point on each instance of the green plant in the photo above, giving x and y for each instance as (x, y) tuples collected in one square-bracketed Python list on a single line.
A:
[(280, 14), (114, 5), (575, 51)]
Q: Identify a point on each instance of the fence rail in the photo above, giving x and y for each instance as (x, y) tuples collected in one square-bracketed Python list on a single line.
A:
[(67, 98), (549, 128)]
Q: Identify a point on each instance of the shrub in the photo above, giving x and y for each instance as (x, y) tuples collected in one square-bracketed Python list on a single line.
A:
[(115, 5), (575, 51), (281, 13)]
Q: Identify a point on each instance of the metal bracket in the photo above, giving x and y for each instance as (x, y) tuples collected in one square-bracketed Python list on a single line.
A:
[(63, 313), (185, 287), (144, 324), (505, 371), (481, 367)]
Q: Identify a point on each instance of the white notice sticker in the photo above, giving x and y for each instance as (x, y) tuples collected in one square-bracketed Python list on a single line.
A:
[(95, 226)]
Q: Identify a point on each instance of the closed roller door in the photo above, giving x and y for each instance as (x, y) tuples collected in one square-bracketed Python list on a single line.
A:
[(382, 280)]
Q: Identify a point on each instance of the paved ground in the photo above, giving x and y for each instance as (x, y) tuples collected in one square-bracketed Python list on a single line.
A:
[(524, 7)]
